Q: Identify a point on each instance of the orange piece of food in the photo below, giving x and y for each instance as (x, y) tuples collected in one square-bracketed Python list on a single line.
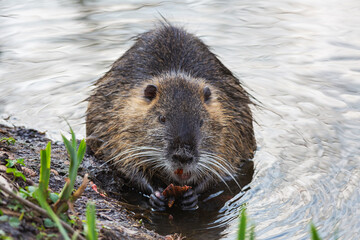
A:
[(172, 192), (175, 191)]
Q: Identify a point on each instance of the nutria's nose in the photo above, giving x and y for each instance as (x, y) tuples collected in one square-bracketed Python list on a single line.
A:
[(183, 158)]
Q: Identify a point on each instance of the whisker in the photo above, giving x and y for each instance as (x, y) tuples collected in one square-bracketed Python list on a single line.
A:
[(214, 172), (131, 150), (223, 160), (145, 161), (215, 163), (119, 154), (139, 154), (227, 168)]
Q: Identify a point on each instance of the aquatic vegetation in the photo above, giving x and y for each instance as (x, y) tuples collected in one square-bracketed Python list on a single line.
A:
[(314, 233), (244, 234)]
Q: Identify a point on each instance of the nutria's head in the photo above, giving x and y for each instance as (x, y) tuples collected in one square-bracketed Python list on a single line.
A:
[(181, 126), (174, 128)]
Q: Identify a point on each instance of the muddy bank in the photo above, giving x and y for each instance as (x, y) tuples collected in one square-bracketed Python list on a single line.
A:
[(113, 220)]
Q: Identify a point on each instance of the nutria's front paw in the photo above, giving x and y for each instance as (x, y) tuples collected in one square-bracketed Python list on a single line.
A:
[(158, 201), (189, 200)]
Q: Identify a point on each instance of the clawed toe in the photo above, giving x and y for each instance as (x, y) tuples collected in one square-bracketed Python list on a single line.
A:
[(189, 200), (158, 201)]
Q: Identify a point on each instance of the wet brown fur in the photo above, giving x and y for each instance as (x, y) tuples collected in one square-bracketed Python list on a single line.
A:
[(119, 118)]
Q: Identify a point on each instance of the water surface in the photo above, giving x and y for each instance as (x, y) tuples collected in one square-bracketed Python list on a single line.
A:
[(299, 59)]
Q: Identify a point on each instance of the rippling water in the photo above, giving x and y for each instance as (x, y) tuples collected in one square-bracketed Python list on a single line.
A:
[(299, 59)]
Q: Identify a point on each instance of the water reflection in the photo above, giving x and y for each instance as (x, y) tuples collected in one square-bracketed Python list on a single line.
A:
[(300, 59)]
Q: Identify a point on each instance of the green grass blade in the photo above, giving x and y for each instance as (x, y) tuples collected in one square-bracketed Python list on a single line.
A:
[(68, 188), (45, 160), (314, 233), (70, 149), (73, 158), (242, 226), (252, 233), (40, 197), (65, 192), (73, 138), (81, 152), (91, 233)]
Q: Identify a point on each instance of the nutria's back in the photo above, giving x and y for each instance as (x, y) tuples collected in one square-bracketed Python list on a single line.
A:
[(167, 104)]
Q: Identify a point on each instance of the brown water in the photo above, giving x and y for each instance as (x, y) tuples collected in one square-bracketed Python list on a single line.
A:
[(300, 59)]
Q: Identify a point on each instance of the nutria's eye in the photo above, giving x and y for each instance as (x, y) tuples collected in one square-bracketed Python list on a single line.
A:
[(150, 92), (207, 94), (201, 122), (162, 119)]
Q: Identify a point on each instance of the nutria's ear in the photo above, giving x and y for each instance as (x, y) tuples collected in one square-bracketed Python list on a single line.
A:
[(207, 94), (150, 92)]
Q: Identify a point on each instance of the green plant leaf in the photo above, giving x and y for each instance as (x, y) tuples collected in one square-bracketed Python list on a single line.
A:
[(252, 233), (75, 161), (39, 195), (9, 140), (65, 192), (3, 236), (45, 159), (14, 222), (81, 152), (19, 174), (10, 170), (90, 230), (31, 190), (10, 163), (20, 161), (27, 192), (16, 173), (41, 235), (16, 206), (242, 225), (53, 197), (23, 193), (73, 138), (4, 218), (48, 223), (314, 233)]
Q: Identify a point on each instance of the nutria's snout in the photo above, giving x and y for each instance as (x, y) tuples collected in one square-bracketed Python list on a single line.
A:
[(182, 156), (182, 166), (183, 148)]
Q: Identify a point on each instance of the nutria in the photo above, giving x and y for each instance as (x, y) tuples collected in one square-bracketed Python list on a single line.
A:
[(168, 105)]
